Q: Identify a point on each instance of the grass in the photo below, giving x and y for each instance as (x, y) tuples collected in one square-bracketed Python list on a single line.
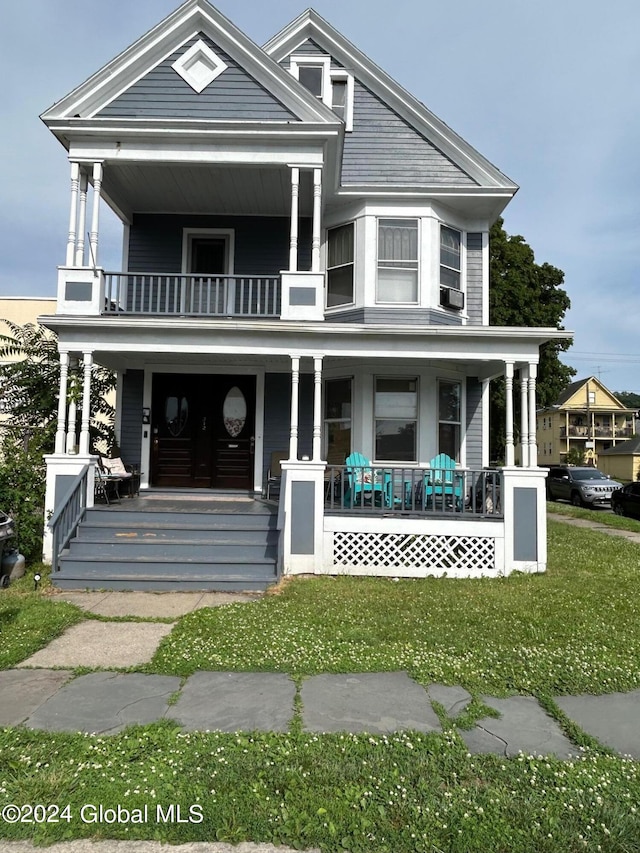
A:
[(595, 516), (573, 629)]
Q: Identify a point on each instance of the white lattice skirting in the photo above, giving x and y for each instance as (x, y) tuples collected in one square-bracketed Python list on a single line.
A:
[(413, 554)]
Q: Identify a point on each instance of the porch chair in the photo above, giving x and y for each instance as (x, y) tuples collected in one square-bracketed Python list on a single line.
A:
[(274, 473), (441, 484), (116, 470), (366, 485), (106, 487)]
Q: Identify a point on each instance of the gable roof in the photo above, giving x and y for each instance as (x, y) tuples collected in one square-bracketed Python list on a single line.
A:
[(575, 387), (623, 448), (177, 30), (310, 26)]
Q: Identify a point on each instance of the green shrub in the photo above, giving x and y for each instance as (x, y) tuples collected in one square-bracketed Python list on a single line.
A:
[(22, 488)]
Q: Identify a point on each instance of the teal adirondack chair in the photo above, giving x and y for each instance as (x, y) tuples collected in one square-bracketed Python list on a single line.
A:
[(442, 483), (366, 485)]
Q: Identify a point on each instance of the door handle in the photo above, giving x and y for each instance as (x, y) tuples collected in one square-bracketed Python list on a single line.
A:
[(252, 445)]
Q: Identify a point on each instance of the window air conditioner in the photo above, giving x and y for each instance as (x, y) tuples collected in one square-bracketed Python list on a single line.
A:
[(451, 298)]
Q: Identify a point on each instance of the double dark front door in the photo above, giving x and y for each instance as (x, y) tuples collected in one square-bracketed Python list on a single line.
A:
[(203, 431)]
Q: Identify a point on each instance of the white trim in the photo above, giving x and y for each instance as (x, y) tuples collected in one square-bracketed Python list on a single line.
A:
[(228, 233), (199, 66), (341, 74), (417, 301), (314, 61)]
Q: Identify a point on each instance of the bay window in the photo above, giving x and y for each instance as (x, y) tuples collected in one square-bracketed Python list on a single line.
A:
[(397, 260), (396, 418)]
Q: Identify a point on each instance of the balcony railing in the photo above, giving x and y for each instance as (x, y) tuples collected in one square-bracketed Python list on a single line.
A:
[(596, 432), (197, 295), (474, 494)]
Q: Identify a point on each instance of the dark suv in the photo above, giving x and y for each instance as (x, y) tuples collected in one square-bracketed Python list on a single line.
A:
[(582, 486)]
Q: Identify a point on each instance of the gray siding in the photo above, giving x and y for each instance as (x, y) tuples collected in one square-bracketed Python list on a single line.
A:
[(474, 278), (233, 95), (396, 316), (310, 48), (384, 149), (277, 419), (261, 243), (131, 423), (474, 423)]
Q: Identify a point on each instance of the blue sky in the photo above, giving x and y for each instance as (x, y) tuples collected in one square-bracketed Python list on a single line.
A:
[(546, 90)]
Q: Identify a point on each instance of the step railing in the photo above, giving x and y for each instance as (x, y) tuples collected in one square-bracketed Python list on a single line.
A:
[(398, 491), (70, 512), (192, 295)]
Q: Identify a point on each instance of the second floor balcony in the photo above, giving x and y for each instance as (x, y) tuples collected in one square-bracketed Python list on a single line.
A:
[(607, 431)]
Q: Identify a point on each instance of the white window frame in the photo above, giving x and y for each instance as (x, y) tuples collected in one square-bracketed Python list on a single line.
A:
[(353, 264), (328, 76), (418, 222), (412, 378), (187, 237)]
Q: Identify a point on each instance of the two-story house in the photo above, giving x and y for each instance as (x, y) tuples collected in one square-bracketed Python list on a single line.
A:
[(587, 418), (305, 272)]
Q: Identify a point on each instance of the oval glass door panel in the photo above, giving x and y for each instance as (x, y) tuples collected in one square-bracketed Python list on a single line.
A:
[(176, 414), (234, 412)]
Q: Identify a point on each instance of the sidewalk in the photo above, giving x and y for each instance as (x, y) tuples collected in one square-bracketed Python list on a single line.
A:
[(42, 693)]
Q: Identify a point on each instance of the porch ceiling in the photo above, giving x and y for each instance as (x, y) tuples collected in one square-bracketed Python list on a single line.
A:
[(137, 187)]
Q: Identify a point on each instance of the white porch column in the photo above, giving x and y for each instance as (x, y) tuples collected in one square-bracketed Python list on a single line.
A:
[(82, 219), (533, 442), (86, 403), (295, 198), (317, 408), (295, 394), (62, 404), (508, 381), (317, 209), (73, 214), (97, 190), (524, 418), (72, 417)]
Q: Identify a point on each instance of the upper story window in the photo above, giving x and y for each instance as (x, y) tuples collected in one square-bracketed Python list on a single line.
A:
[(397, 260), (340, 265), (333, 87), (450, 268)]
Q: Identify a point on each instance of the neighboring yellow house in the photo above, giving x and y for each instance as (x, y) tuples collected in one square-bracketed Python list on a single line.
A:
[(622, 462), (587, 417)]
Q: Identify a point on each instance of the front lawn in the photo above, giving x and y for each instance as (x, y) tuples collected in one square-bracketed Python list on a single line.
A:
[(572, 630)]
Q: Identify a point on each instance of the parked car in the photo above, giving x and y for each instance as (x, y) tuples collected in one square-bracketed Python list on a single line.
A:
[(626, 501), (11, 562), (582, 486)]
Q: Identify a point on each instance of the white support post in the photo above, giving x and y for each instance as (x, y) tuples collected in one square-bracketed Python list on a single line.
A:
[(295, 199), (524, 418), (508, 381), (82, 219), (295, 393), (97, 190), (533, 444), (86, 403), (317, 408), (72, 419), (62, 404), (317, 209), (73, 214)]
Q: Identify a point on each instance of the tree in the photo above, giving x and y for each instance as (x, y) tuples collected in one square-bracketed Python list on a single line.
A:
[(629, 399), (524, 293), (29, 390)]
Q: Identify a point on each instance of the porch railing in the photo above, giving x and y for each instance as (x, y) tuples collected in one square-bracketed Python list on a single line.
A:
[(199, 295), (463, 492), (65, 520)]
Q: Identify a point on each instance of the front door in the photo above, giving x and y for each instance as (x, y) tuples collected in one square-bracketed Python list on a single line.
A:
[(203, 431)]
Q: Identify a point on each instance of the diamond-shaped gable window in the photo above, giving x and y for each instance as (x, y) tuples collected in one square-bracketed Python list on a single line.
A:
[(199, 66)]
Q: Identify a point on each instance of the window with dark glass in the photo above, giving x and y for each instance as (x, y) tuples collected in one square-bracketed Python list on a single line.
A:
[(337, 420), (396, 418), (449, 394), (397, 260), (449, 257), (339, 97), (340, 265), (311, 78)]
